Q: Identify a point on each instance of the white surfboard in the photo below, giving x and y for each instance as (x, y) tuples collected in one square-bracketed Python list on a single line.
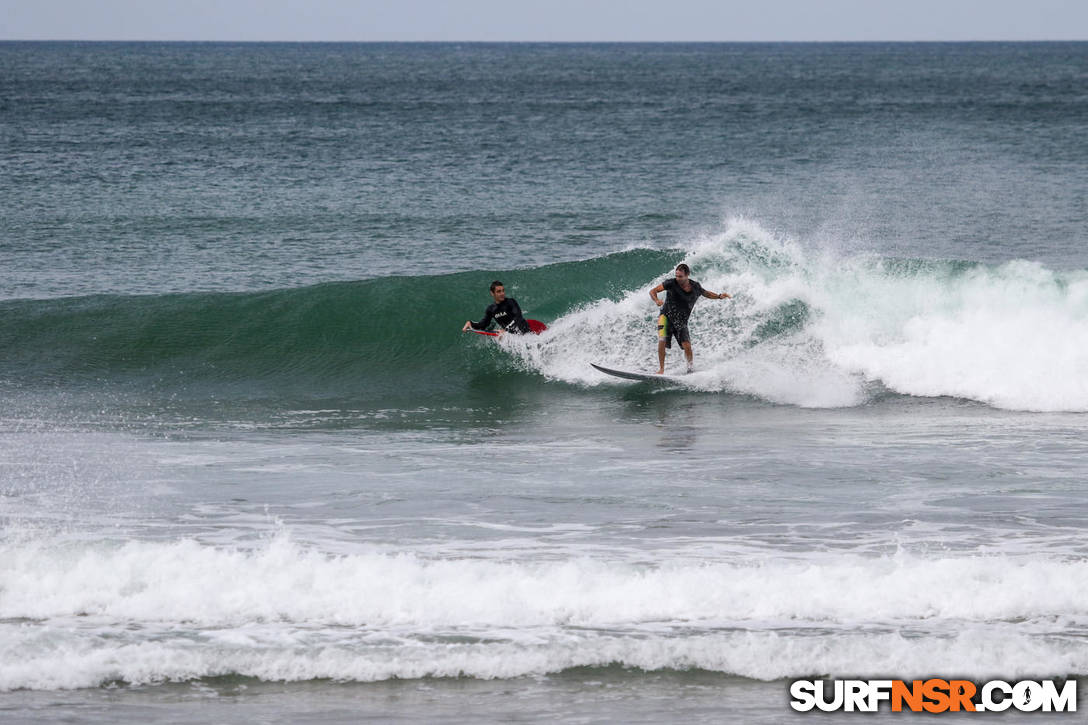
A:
[(640, 377)]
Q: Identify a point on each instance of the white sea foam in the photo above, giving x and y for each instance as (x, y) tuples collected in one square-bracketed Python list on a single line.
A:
[(812, 329), (67, 662), (185, 581), (81, 614)]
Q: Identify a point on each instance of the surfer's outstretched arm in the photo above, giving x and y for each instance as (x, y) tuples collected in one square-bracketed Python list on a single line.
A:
[(715, 296), (482, 324)]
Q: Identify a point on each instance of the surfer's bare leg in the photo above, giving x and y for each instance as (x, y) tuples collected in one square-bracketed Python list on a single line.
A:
[(688, 354), (660, 357)]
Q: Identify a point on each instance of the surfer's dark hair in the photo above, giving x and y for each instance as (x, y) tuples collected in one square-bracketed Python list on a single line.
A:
[(495, 284), (683, 268)]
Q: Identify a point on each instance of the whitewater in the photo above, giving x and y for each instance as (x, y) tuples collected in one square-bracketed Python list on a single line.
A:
[(153, 612), (823, 329)]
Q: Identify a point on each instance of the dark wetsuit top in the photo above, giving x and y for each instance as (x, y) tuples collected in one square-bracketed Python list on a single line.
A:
[(678, 303), (507, 314)]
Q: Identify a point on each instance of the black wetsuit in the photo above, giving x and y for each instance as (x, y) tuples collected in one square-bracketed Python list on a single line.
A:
[(507, 314), (673, 321)]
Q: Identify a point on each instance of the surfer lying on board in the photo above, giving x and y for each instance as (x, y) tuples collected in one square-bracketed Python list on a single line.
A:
[(681, 294), (504, 310)]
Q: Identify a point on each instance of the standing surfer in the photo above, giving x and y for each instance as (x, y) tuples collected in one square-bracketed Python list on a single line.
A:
[(505, 311), (681, 294)]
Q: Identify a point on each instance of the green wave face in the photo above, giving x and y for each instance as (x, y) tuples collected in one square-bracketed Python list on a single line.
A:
[(386, 337)]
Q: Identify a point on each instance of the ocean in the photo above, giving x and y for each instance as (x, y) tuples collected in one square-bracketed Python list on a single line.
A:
[(251, 470)]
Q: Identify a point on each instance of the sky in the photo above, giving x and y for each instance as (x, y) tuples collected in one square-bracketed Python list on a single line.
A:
[(544, 20)]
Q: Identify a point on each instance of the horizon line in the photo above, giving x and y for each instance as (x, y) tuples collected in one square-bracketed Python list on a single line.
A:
[(537, 42)]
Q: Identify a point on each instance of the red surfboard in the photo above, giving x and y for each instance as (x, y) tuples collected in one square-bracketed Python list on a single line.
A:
[(535, 326)]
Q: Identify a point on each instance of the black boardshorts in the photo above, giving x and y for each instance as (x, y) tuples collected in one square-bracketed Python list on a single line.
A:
[(666, 331)]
